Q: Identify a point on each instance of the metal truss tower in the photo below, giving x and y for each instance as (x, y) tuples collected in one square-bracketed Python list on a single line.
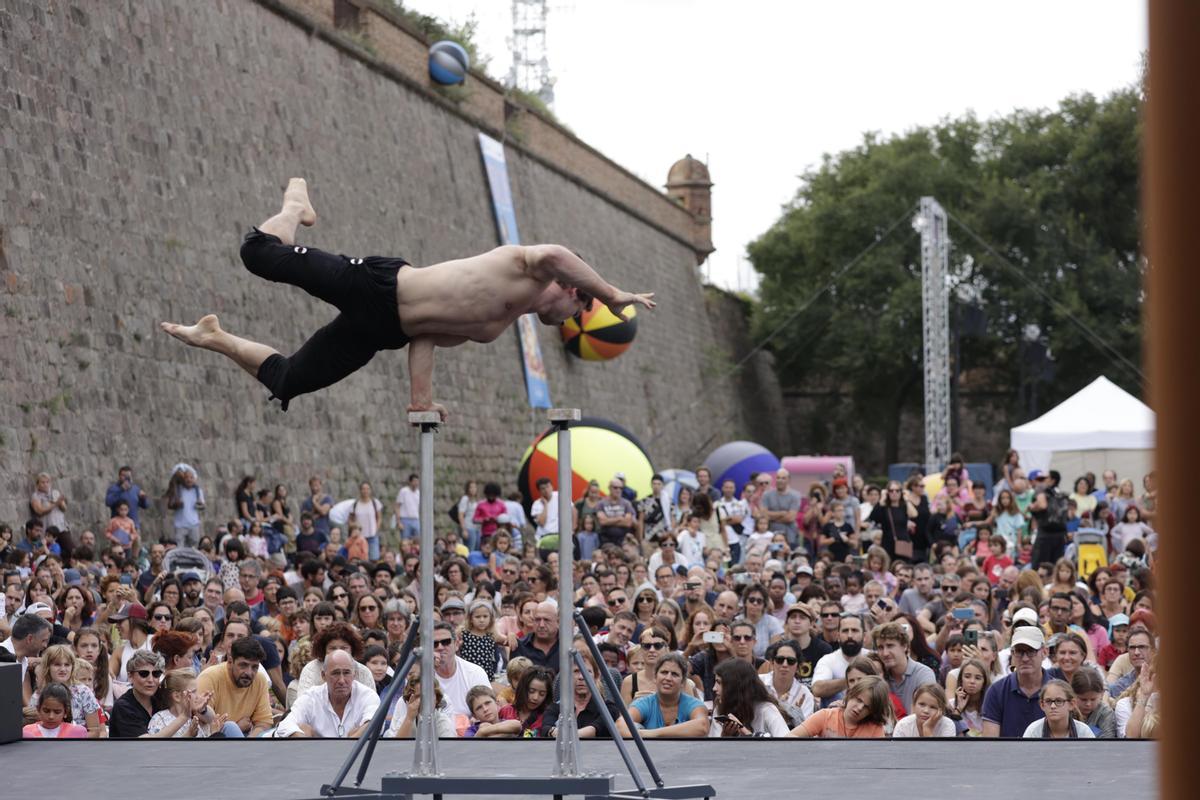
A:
[(530, 68), (935, 314)]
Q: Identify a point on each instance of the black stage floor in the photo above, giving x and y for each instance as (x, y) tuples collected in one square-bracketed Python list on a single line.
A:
[(897, 770)]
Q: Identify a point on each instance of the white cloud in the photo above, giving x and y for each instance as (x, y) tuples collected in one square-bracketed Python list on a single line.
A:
[(762, 89)]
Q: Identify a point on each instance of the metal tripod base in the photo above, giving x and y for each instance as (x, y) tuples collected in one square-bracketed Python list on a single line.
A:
[(403, 786), (667, 792)]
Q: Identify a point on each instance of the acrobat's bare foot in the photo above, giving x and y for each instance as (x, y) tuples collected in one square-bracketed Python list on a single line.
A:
[(295, 199), (202, 334)]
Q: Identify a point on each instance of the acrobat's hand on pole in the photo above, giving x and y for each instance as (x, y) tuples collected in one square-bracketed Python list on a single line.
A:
[(438, 407)]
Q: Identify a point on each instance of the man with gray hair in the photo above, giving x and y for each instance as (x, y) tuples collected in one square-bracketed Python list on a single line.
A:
[(339, 708), (30, 636)]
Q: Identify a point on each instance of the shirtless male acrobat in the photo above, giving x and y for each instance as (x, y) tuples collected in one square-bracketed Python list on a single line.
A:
[(386, 304)]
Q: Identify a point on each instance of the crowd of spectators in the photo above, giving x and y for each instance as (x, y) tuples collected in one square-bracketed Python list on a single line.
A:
[(848, 610)]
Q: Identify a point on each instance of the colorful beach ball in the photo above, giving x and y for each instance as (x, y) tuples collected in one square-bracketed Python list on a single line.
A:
[(599, 450), (738, 461), (676, 479), (599, 334)]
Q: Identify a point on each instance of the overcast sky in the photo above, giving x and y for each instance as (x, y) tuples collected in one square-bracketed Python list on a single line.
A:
[(760, 89)]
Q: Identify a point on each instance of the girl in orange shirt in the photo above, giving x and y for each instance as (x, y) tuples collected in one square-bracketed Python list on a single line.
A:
[(862, 716)]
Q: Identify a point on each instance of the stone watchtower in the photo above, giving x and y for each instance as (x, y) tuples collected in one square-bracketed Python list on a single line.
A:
[(689, 185)]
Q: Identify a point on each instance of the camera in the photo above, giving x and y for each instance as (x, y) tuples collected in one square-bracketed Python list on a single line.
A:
[(714, 637)]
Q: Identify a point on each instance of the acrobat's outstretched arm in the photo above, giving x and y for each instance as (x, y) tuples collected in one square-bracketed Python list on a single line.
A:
[(556, 262)]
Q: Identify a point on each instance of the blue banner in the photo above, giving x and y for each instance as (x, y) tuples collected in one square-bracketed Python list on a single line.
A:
[(536, 385)]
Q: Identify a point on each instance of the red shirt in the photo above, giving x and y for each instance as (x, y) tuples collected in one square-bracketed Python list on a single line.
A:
[(487, 512), (993, 567)]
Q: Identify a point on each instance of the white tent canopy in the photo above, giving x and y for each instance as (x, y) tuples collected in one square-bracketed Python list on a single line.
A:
[(1099, 427)]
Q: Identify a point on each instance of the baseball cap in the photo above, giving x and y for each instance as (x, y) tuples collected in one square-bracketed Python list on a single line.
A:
[(453, 604), (129, 611), (840, 482), (1036, 474), (188, 577), (804, 569), (72, 577), (1026, 615), (37, 608), (1030, 636), (800, 608), (503, 519), (1116, 621), (620, 476)]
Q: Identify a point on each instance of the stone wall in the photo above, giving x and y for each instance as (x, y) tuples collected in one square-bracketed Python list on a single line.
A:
[(139, 140)]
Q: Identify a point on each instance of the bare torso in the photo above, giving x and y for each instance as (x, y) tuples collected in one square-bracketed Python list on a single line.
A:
[(476, 298)]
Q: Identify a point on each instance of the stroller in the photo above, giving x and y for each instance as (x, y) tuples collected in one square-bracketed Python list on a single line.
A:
[(188, 559), (1090, 548)]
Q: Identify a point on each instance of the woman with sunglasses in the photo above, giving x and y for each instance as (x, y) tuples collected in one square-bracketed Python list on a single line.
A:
[(654, 641), (339, 595), (366, 612), (162, 618), (133, 710), (794, 698), (645, 603), (768, 629)]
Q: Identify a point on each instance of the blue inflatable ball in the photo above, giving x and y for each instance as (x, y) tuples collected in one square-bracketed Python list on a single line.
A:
[(448, 63), (737, 461)]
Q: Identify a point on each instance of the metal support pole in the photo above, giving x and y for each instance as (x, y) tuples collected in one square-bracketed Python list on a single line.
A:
[(425, 762), (935, 259), (370, 737), (602, 710), (567, 738), (408, 657), (614, 692)]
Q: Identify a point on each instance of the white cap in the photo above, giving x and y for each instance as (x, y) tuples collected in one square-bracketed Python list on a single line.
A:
[(1026, 615), (1030, 636)]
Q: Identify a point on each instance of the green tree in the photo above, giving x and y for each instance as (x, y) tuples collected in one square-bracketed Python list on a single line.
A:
[(1055, 192)]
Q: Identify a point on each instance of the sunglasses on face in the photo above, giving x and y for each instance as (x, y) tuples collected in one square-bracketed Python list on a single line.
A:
[(163, 617), (782, 660), (646, 599), (832, 615), (742, 637), (340, 596), (616, 601), (146, 673), (667, 543), (368, 608), (754, 601), (442, 643), (654, 645)]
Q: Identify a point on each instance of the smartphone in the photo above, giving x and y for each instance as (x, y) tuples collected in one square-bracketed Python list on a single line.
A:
[(971, 636), (714, 637), (858, 561), (721, 719), (127, 580), (741, 578), (964, 613), (883, 604)]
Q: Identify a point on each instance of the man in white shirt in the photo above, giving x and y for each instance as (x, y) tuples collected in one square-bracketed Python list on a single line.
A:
[(545, 510), (339, 708), (408, 508), (735, 511), (829, 676), (457, 676)]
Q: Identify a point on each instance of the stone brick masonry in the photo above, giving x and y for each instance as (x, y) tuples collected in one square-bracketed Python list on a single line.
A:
[(138, 142)]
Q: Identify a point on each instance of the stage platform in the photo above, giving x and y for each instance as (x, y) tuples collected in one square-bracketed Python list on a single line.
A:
[(898, 770)]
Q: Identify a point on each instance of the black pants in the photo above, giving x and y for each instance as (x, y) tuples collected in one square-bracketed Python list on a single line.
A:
[(1049, 547), (362, 289)]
